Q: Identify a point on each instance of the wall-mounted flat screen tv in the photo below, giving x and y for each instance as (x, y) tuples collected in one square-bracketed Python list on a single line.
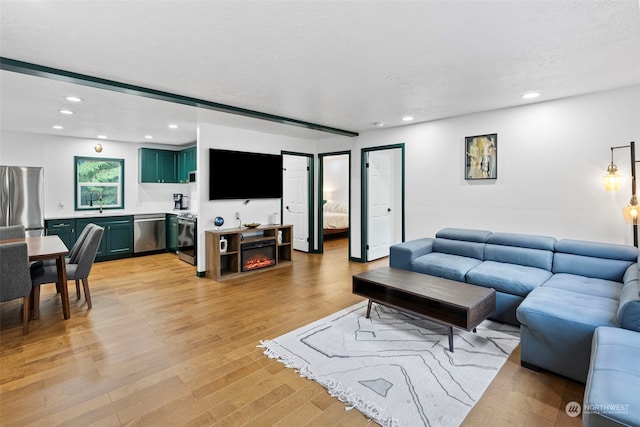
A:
[(244, 175)]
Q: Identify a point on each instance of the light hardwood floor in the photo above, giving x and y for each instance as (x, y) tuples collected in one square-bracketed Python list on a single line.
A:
[(163, 347)]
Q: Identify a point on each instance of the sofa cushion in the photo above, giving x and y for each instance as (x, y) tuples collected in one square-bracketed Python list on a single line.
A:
[(453, 267), (522, 256), (462, 242), (631, 274), (521, 249), (522, 240), (468, 235), (628, 314), (611, 393), (585, 285), (557, 311), (508, 278), (593, 259)]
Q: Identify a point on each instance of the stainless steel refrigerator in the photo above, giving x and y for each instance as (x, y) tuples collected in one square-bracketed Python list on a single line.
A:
[(22, 198)]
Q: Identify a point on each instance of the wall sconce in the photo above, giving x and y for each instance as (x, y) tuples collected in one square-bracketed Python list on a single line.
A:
[(98, 148), (611, 182)]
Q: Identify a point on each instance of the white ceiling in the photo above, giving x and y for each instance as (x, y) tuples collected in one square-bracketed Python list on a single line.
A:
[(343, 64)]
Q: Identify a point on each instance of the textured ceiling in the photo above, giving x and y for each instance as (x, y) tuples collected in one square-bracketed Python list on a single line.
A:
[(343, 64)]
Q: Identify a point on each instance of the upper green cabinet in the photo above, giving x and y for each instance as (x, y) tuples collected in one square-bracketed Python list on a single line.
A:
[(186, 163), (157, 165), (166, 166)]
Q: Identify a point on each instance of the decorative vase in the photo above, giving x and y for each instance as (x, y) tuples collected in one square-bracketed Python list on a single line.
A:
[(223, 245)]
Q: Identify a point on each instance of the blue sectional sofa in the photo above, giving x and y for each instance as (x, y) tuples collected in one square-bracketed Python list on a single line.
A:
[(611, 396), (558, 291)]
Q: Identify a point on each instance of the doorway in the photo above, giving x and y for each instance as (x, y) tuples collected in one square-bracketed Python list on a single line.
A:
[(297, 169), (382, 200), (334, 197)]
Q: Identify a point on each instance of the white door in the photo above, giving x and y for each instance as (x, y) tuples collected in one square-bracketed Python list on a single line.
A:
[(379, 204), (295, 198)]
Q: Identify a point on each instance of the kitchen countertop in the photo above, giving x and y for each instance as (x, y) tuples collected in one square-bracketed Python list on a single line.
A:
[(109, 213)]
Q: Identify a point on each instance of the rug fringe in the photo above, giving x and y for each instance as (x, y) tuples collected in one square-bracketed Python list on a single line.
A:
[(345, 395)]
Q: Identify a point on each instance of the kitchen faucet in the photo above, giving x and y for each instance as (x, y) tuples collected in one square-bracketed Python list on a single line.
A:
[(99, 198)]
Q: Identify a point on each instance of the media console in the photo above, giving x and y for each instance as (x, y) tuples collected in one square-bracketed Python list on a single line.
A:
[(247, 250)]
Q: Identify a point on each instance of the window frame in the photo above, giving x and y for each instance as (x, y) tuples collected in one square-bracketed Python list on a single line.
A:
[(77, 185)]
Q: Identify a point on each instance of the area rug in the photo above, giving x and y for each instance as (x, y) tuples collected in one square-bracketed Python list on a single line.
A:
[(394, 367)]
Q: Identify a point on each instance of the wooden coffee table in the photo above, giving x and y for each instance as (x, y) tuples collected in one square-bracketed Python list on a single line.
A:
[(444, 301)]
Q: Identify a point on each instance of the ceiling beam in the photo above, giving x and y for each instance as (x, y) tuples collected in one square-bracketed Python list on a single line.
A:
[(100, 83)]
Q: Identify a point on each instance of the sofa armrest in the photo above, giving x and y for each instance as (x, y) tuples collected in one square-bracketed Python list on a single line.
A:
[(401, 254)]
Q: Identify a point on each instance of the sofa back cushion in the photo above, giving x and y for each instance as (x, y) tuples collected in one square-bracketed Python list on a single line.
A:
[(462, 242), (628, 314), (593, 259), (521, 249)]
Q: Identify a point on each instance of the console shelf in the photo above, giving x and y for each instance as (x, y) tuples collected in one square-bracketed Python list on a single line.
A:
[(226, 265)]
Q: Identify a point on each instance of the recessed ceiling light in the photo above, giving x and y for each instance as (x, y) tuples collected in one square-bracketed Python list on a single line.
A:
[(531, 95), (57, 127), (378, 124), (148, 137), (66, 112), (173, 126), (407, 118), (102, 136), (74, 99)]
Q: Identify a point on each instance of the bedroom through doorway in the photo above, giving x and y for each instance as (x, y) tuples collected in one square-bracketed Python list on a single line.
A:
[(334, 204)]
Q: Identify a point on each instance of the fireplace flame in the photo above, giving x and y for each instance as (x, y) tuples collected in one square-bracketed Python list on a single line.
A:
[(258, 261)]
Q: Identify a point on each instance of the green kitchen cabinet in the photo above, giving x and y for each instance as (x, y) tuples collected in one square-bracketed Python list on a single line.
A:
[(117, 238), (172, 232), (186, 163), (157, 166), (64, 228)]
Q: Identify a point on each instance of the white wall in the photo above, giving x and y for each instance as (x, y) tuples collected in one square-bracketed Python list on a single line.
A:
[(336, 178), (551, 158), (56, 155)]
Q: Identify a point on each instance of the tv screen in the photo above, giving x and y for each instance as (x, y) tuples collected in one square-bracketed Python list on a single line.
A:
[(244, 175)]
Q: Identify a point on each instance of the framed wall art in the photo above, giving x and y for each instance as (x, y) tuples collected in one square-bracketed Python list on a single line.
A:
[(481, 156)]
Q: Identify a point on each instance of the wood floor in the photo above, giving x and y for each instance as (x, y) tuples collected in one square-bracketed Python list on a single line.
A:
[(162, 347)]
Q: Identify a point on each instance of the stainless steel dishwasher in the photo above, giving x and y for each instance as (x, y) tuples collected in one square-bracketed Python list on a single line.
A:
[(149, 233)]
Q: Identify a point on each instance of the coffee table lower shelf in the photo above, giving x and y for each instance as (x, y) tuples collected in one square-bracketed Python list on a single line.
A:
[(451, 303)]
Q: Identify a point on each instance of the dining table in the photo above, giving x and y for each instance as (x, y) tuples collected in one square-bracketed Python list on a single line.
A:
[(49, 247)]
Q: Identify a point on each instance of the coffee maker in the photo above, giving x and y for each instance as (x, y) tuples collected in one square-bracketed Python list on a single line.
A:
[(177, 200)]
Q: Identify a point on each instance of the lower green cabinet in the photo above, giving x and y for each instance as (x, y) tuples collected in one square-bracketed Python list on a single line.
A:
[(172, 232), (64, 228), (117, 239)]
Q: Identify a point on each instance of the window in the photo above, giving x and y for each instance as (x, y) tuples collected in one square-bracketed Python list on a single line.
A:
[(98, 179)]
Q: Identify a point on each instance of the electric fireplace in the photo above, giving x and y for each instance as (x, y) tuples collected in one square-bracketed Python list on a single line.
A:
[(258, 254)]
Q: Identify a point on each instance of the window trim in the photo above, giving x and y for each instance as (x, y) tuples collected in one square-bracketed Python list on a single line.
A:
[(77, 185)]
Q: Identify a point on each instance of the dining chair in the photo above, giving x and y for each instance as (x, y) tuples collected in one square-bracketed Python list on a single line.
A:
[(12, 232), (73, 252), (78, 268), (15, 279)]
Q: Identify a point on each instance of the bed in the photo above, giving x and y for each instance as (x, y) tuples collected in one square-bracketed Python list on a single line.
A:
[(335, 217)]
